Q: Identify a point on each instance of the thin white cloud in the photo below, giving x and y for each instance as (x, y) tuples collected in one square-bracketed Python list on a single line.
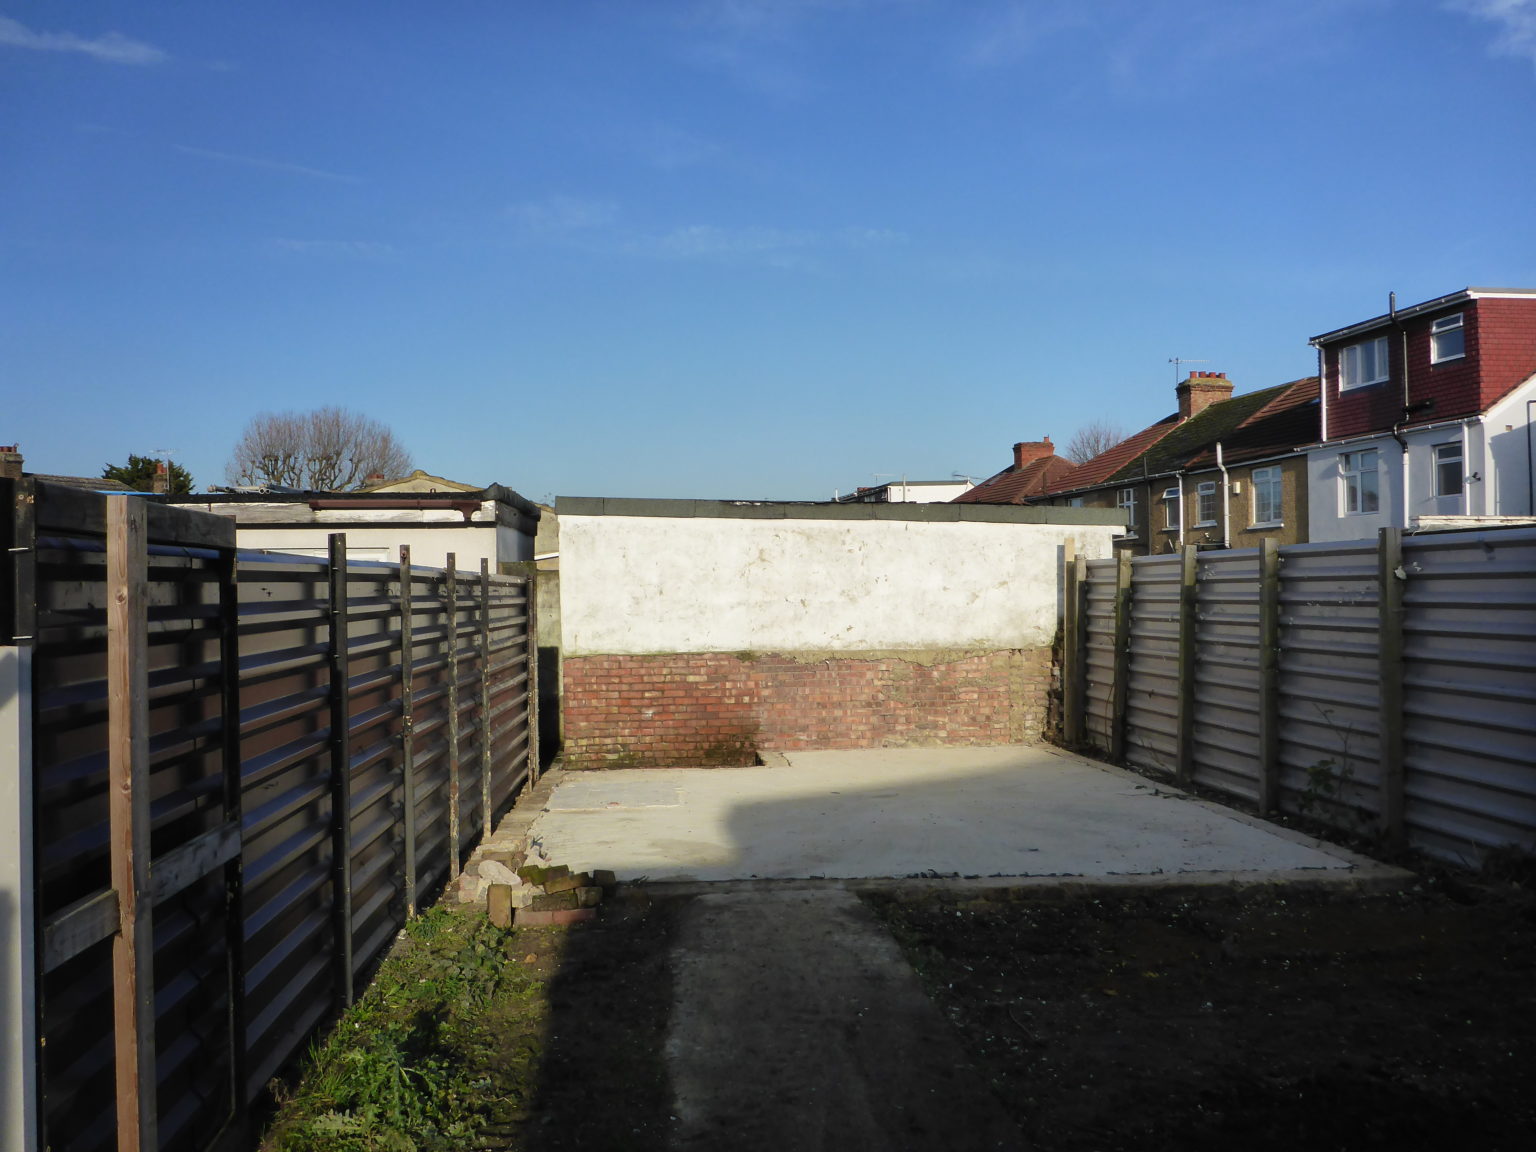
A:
[(771, 247), (347, 249), (269, 165), (110, 47), (1514, 19), (559, 217)]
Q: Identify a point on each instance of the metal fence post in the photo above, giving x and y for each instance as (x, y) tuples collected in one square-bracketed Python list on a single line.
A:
[(341, 767), (133, 960), (1391, 610), (451, 576), (1122, 680), (407, 723), (485, 696), (20, 1081), (1269, 676), (1189, 571)]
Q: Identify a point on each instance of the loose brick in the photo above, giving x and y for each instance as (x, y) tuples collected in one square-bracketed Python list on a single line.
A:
[(530, 918)]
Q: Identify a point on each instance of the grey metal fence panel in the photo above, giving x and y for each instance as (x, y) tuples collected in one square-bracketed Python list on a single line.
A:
[(1470, 691), (1152, 708), (1329, 682), (1469, 675), (1225, 747), (1099, 653)]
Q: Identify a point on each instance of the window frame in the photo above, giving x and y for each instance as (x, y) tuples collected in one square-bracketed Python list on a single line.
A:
[(1202, 490), (1173, 509), (1381, 353), (1259, 477), (1461, 468), (1121, 501), (1448, 324), (1351, 482)]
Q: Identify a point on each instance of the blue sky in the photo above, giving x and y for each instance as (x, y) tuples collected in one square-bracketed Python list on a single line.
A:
[(743, 248)]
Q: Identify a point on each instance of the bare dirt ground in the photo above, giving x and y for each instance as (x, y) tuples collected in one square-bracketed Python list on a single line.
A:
[(1266, 1018)]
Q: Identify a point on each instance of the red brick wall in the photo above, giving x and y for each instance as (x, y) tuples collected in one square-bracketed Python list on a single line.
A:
[(720, 708), (1501, 353)]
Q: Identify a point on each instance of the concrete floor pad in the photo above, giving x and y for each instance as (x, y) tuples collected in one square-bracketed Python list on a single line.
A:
[(1017, 811)]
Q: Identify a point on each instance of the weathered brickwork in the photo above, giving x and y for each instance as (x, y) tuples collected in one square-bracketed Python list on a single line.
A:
[(721, 708)]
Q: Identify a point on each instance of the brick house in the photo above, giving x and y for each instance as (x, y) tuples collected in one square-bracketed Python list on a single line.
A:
[(1034, 469), (1221, 471), (1426, 411)]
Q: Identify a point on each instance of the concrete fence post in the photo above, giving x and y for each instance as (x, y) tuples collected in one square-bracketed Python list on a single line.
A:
[(1187, 659), (18, 909), (1122, 675), (1269, 677), (1391, 578)]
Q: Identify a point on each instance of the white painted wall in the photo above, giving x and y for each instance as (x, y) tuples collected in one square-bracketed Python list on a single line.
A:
[(641, 584), (429, 546), (1511, 439), (18, 1032)]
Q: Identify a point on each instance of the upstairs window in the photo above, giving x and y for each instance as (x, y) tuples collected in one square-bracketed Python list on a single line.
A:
[(1171, 513), (1447, 339), (1362, 364), (1126, 502), (1449, 478), (1266, 497), (1360, 492), (1205, 496)]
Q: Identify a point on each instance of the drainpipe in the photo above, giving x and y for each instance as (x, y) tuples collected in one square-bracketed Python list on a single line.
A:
[(1403, 419), (1467, 475), (1181, 510), (1226, 500)]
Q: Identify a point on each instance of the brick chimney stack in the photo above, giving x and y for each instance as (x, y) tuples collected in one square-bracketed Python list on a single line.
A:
[(1028, 451), (10, 461), (161, 484), (1200, 391)]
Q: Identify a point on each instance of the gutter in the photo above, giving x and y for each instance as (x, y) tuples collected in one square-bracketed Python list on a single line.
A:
[(465, 508)]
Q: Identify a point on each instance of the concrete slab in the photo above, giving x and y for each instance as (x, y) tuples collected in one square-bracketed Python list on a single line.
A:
[(1017, 811)]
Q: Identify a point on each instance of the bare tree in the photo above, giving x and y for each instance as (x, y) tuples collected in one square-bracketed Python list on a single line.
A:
[(1098, 435), (327, 450)]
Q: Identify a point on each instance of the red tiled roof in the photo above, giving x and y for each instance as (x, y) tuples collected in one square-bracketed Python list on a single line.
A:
[(1112, 460), (1016, 485)]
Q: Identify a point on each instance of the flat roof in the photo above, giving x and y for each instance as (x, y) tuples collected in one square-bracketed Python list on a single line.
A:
[(814, 510)]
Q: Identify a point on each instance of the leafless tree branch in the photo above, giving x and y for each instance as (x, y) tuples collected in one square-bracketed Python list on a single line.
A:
[(327, 450)]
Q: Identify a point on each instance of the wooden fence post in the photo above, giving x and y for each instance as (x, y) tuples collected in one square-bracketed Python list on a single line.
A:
[(532, 711), (1073, 668), (234, 803), (407, 723), (1122, 663), (451, 575), (341, 767), (1188, 658), (1391, 578), (133, 971), (1269, 676), (485, 696)]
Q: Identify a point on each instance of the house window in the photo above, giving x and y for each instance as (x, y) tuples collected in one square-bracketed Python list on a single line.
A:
[(1448, 339), (1448, 470), (1171, 514), (1362, 364), (1266, 496), (1205, 504), (1126, 502), (1357, 476)]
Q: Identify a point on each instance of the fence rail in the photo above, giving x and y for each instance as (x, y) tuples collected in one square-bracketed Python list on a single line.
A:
[(1384, 685), (247, 771)]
